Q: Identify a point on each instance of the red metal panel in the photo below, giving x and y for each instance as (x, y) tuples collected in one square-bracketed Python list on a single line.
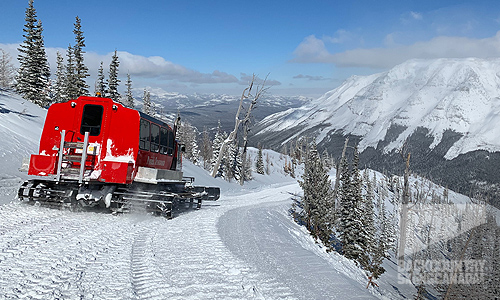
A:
[(42, 165), (154, 160), (120, 145)]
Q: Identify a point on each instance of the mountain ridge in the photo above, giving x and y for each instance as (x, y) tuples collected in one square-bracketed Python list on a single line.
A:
[(445, 111)]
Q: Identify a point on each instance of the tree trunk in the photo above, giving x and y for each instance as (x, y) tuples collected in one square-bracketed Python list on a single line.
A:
[(247, 93)]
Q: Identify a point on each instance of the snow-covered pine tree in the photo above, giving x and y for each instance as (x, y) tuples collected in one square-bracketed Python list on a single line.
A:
[(187, 134), (350, 219), (100, 84), (59, 86), (326, 159), (7, 70), (234, 161), (268, 164), (259, 165), (129, 98), (113, 80), (366, 234), (219, 138), (70, 82), (318, 201), (247, 168), (34, 72), (146, 102), (386, 238), (81, 71), (206, 149)]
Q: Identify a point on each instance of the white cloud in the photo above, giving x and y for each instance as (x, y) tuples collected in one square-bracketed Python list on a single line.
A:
[(310, 77), (341, 36), (138, 66), (313, 50), (416, 15), (245, 79)]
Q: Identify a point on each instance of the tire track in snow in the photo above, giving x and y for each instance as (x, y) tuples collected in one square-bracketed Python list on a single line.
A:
[(53, 254), (53, 261), (260, 235), (147, 280)]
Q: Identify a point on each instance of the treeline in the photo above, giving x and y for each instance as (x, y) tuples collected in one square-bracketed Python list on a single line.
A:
[(344, 216), (33, 78), (203, 150)]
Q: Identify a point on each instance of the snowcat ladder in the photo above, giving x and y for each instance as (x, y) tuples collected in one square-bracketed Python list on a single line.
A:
[(75, 145)]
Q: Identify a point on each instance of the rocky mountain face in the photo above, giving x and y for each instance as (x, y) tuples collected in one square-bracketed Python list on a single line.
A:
[(445, 112)]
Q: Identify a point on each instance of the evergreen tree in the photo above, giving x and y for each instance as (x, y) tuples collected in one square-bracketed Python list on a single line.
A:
[(366, 233), (206, 149), (217, 144), (60, 81), (129, 101), (187, 135), (70, 82), (7, 70), (234, 162), (268, 164), (33, 74), (318, 201), (81, 71), (386, 239), (326, 160), (113, 80), (146, 100), (259, 165), (100, 84), (350, 224), (247, 168)]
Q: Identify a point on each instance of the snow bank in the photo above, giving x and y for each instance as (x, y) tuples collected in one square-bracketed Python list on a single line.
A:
[(21, 124)]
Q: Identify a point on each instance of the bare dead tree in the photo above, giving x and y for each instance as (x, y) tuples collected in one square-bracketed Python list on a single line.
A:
[(252, 92)]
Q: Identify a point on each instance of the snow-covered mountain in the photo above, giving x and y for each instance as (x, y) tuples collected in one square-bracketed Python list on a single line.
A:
[(446, 109), (462, 95)]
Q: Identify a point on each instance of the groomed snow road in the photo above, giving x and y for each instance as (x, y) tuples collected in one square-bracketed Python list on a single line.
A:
[(242, 247)]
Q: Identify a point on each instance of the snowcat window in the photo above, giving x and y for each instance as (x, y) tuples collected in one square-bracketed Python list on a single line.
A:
[(91, 119), (144, 135), (155, 138), (163, 140), (170, 143)]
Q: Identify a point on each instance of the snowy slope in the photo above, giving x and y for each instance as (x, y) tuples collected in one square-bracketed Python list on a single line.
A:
[(21, 125), (57, 254), (462, 95)]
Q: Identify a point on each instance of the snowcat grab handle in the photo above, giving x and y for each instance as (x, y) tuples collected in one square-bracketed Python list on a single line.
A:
[(84, 157), (61, 150)]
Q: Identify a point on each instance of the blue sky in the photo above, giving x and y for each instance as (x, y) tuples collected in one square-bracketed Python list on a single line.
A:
[(306, 47)]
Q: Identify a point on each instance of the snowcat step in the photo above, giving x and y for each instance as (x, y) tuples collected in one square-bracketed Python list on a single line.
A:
[(73, 157), (73, 145)]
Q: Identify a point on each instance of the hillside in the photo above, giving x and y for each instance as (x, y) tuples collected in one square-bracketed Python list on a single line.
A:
[(21, 125), (444, 111)]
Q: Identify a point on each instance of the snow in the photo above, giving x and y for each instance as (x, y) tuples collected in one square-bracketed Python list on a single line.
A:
[(462, 95), (21, 125), (47, 253), (244, 246)]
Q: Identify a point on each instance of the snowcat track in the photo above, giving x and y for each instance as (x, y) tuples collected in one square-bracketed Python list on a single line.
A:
[(161, 199)]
